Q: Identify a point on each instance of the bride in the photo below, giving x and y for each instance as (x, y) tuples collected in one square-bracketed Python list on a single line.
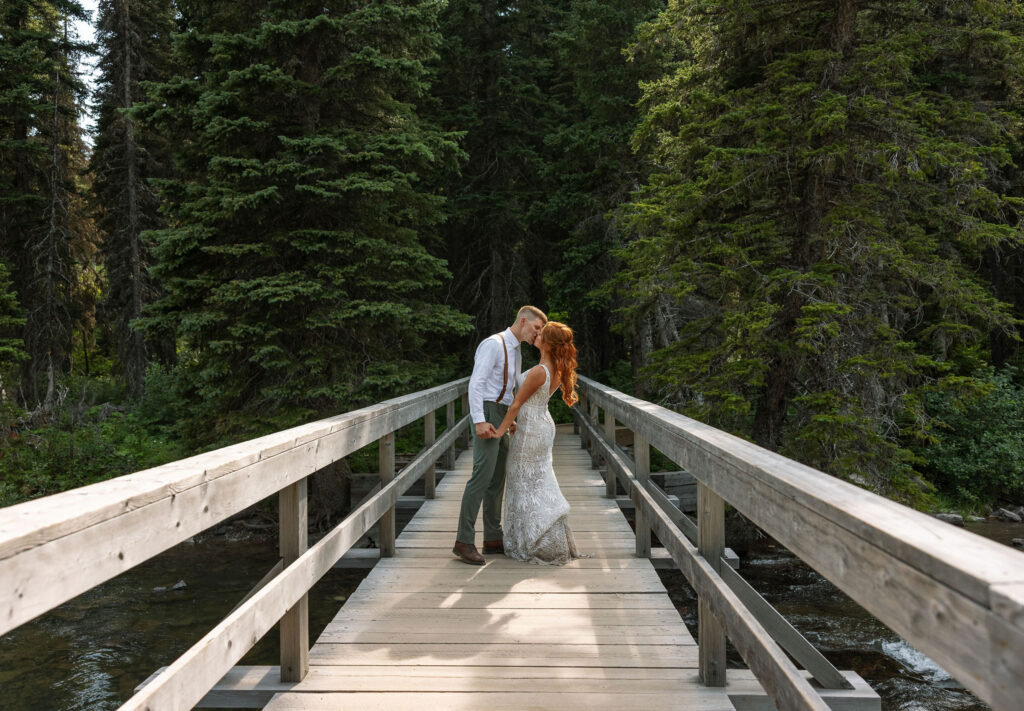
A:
[(536, 513)]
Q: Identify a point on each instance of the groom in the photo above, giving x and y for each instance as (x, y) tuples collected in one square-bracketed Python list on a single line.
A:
[(496, 366)]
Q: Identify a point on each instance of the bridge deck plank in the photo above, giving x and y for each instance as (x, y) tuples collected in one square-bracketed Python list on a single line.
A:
[(424, 630)]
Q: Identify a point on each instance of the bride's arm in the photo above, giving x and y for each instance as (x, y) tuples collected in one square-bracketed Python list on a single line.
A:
[(534, 379)]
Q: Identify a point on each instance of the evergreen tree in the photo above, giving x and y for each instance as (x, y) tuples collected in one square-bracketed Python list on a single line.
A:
[(500, 83), (42, 227), (825, 177), (292, 263), (134, 39), (593, 170), (12, 321)]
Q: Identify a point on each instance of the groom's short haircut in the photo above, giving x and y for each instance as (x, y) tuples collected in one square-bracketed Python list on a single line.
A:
[(532, 313)]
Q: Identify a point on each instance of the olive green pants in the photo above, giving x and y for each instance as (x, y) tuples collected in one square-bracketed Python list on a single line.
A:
[(487, 482)]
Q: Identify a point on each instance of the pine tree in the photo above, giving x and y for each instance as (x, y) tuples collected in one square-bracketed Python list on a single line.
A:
[(134, 38), (41, 226), (826, 175), (592, 169), (293, 262), (500, 83), (12, 321)]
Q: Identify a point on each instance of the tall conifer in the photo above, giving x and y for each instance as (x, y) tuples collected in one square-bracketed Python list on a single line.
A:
[(826, 176), (592, 169), (292, 263), (134, 38), (42, 225), (500, 83)]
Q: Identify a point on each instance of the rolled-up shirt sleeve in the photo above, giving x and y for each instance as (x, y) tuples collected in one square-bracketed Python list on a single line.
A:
[(484, 363)]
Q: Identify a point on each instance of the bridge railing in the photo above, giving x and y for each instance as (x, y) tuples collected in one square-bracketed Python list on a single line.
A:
[(956, 596), (55, 548)]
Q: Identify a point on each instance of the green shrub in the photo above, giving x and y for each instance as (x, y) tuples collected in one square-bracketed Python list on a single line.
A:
[(77, 444), (976, 450)]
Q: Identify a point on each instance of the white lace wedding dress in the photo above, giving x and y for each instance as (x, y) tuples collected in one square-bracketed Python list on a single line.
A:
[(535, 514)]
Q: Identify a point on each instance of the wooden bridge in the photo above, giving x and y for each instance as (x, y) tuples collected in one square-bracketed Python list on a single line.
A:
[(424, 630)]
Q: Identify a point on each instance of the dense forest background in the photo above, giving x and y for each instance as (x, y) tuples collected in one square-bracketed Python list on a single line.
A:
[(799, 221)]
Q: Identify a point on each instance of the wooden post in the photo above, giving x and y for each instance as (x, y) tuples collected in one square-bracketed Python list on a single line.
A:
[(386, 461), (592, 417), (449, 455), (711, 545), (642, 472), (610, 490), (293, 537), (430, 476), (465, 437), (581, 410)]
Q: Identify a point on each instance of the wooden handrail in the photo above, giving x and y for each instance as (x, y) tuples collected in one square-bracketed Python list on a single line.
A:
[(184, 683), (53, 549), (679, 535), (957, 597)]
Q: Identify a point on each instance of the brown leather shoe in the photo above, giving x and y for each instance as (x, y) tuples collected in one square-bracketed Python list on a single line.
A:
[(494, 547), (468, 553)]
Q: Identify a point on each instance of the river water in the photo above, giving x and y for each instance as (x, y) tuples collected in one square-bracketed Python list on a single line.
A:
[(90, 653)]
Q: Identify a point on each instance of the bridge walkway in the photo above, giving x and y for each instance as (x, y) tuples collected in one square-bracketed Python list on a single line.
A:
[(425, 630)]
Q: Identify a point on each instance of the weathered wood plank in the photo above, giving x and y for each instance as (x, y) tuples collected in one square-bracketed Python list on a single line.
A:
[(429, 476), (386, 469), (253, 687), (710, 545), (885, 556), (513, 601), (499, 701), (519, 585), (294, 626), (781, 679), (516, 655), (542, 618), (638, 637), (188, 679), (55, 548)]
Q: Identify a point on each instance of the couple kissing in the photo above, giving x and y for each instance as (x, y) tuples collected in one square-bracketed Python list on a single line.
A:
[(513, 434)]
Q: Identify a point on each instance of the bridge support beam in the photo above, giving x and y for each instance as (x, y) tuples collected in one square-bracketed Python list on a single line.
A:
[(386, 461), (610, 481), (711, 546), (465, 437), (430, 476), (294, 540), (449, 418), (592, 418), (642, 472)]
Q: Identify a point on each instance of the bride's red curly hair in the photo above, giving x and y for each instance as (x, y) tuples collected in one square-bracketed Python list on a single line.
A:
[(558, 337)]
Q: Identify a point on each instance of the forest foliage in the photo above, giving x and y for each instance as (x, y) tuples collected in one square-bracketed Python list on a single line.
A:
[(798, 221)]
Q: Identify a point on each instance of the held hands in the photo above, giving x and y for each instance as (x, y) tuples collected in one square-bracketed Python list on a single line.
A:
[(485, 430), (498, 433)]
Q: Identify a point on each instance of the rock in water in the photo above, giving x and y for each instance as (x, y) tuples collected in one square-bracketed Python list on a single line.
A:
[(180, 585), (1018, 543), (1008, 515), (955, 519)]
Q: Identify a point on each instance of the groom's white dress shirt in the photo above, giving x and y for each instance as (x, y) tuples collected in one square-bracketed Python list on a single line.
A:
[(488, 370)]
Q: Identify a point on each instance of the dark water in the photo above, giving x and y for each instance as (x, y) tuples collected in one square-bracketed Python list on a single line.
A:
[(904, 678), (90, 653)]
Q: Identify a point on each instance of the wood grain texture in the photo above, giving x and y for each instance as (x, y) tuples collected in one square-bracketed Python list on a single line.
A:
[(53, 549), (435, 632), (187, 680), (887, 557)]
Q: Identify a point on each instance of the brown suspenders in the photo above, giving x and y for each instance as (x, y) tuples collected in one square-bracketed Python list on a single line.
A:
[(504, 377)]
